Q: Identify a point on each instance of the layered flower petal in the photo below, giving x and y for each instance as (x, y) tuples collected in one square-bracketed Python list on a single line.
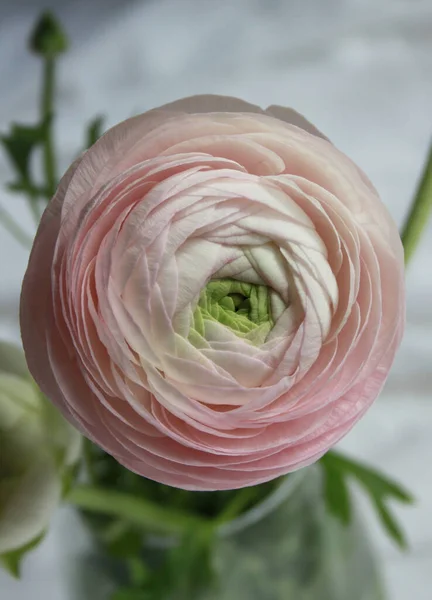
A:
[(215, 294)]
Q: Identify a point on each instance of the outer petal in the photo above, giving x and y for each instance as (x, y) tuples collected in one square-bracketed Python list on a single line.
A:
[(291, 116), (211, 103)]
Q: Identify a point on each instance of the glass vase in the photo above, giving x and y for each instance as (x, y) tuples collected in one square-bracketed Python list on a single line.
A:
[(288, 547)]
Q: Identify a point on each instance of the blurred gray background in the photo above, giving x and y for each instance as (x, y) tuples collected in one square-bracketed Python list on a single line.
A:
[(361, 70)]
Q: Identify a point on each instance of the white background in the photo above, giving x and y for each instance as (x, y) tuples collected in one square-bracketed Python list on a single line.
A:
[(361, 70)]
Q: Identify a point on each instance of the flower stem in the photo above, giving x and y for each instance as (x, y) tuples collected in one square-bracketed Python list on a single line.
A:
[(239, 502), (420, 209), (14, 228), (133, 509), (47, 112), (87, 446)]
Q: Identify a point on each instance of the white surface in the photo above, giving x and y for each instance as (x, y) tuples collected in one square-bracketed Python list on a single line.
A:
[(362, 71)]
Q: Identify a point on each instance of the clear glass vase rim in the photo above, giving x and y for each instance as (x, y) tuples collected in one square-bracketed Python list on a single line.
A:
[(283, 492)]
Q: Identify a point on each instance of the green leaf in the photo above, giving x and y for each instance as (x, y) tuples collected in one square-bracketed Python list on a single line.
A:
[(133, 509), (189, 567), (48, 37), (238, 502), (138, 571), (420, 211), (376, 482), (11, 561), (94, 131), (69, 476), (389, 523), (337, 468), (186, 571), (336, 493), (27, 187), (19, 145)]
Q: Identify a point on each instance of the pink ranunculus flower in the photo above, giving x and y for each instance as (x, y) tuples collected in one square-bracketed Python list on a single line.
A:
[(215, 294)]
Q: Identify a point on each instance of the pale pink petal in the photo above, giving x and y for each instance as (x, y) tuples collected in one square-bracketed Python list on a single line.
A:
[(205, 188)]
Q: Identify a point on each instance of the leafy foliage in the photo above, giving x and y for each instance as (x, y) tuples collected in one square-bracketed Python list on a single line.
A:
[(188, 566), (107, 472), (19, 145), (186, 571), (11, 561), (94, 131), (336, 493), (338, 470)]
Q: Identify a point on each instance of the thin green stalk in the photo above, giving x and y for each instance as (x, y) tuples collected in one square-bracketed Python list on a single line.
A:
[(47, 111), (420, 210), (241, 499), (14, 228), (88, 462), (133, 509)]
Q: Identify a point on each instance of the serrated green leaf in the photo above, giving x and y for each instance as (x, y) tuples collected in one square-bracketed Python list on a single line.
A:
[(378, 483), (337, 496), (94, 131), (390, 524), (378, 487), (19, 145), (11, 561), (26, 187), (48, 37)]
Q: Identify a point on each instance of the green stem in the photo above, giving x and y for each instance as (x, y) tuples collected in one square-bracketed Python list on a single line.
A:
[(88, 462), (14, 228), (241, 499), (419, 213), (47, 111), (133, 509)]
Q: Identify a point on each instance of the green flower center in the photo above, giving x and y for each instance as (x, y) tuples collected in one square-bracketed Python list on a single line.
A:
[(245, 308)]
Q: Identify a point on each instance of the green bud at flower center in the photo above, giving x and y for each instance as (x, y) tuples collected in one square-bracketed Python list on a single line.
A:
[(243, 307)]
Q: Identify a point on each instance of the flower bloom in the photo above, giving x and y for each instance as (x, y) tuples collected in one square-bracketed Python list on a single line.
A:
[(37, 449), (215, 294)]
